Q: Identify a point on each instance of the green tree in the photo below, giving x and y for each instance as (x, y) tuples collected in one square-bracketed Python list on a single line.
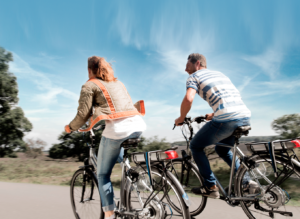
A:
[(154, 143), (13, 123), (287, 126), (75, 145)]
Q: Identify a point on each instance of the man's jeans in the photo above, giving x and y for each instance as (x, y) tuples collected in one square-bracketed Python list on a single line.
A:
[(212, 133), (109, 153)]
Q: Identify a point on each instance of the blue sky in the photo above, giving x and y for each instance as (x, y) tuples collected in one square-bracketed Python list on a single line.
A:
[(255, 43)]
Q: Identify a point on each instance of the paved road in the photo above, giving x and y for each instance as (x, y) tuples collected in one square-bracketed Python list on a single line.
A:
[(32, 201)]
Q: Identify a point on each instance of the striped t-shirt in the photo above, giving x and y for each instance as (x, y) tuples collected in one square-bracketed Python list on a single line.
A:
[(222, 96)]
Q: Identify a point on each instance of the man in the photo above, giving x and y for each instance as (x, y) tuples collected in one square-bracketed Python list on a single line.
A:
[(229, 112)]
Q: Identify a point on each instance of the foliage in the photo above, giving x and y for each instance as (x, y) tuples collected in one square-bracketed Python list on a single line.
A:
[(259, 138), (287, 126), (151, 144), (74, 145), (34, 148), (210, 150), (13, 123)]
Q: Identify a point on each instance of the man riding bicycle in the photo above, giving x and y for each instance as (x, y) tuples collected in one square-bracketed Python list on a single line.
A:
[(229, 112)]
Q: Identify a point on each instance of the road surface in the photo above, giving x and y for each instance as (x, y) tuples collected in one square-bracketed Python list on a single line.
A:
[(33, 201)]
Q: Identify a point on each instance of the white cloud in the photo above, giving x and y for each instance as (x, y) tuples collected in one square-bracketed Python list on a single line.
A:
[(48, 91), (281, 86), (246, 81), (269, 61), (42, 108)]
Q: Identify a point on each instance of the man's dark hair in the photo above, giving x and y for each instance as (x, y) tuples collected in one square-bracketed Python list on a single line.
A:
[(194, 57)]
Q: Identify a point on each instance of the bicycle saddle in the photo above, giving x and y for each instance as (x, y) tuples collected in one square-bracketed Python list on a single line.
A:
[(130, 142), (241, 130)]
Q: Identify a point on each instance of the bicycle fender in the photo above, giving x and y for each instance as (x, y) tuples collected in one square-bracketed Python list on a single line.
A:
[(181, 190)]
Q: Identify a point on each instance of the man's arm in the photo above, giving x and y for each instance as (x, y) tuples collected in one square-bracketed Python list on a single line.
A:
[(186, 105)]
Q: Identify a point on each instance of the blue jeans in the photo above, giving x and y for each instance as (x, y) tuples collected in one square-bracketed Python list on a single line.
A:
[(108, 154), (212, 133)]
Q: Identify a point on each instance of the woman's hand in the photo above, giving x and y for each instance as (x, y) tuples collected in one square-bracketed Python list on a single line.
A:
[(67, 129)]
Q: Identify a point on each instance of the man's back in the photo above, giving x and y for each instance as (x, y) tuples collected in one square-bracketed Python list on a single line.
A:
[(218, 90)]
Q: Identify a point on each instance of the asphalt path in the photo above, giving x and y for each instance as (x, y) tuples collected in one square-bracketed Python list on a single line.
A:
[(33, 201)]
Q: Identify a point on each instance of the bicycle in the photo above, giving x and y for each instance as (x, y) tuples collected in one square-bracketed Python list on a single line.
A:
[(143, 188), (274, 166), (187, 171)]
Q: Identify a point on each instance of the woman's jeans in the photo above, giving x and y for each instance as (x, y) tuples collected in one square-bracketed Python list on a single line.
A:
[(109, 153), (212, 133)]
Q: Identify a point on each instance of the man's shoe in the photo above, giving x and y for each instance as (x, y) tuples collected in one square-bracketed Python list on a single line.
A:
[(203, 190)]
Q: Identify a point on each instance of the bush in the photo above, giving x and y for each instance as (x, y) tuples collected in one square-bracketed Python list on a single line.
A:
[(34, 148)]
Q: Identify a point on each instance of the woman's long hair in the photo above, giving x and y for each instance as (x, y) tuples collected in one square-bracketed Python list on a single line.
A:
[(101, 68)]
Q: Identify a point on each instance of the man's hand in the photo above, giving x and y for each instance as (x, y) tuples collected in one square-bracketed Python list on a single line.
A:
[(209, 116), (178, 121)]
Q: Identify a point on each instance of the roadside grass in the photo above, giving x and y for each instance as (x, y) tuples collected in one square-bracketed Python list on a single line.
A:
[(44, 170)]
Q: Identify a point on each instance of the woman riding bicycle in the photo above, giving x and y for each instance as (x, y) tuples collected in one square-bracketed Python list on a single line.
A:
[(103, 97)]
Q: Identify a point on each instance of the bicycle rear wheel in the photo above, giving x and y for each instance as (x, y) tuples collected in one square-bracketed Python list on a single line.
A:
[(284, 197), (85, 198), (158, 208), (189, 176)]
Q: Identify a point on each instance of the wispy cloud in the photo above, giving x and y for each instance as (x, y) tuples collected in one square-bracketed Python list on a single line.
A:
[(246, 81), (171, 37), (48, 91), (269, 61)]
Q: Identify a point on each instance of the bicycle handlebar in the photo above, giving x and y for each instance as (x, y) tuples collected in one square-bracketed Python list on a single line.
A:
[(188, 120), (100, 127)]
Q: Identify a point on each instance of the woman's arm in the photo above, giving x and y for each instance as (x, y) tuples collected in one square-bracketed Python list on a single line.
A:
[(84, 109)]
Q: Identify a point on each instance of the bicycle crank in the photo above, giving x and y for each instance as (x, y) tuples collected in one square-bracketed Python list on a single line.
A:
[(271, 212)]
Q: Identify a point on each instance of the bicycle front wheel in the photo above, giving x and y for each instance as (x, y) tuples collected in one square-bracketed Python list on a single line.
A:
[(85, 198), (158, 207), (189, 177), (281, 199)]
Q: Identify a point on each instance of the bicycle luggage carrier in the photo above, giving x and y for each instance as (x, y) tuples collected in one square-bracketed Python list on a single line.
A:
[(272, 148), (263, 147), (159, 155)]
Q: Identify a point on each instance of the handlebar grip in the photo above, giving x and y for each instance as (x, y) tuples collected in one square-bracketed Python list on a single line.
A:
[(178, 124), (199, 119)]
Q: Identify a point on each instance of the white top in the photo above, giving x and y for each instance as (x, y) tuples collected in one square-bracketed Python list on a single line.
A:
[(223, 97), (122, 128)]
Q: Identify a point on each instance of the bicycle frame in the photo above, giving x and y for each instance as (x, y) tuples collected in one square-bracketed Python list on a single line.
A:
[(236, 151), (126, 166), (125, 163)]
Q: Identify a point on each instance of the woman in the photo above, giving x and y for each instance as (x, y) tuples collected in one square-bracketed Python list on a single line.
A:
[(103, 97)]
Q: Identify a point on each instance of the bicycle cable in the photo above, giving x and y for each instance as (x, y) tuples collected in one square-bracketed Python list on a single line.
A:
[(169, 208)]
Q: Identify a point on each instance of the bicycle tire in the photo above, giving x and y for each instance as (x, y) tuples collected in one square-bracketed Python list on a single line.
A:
[(194, 180), (277, 195), (91, 207), (160, 200)]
